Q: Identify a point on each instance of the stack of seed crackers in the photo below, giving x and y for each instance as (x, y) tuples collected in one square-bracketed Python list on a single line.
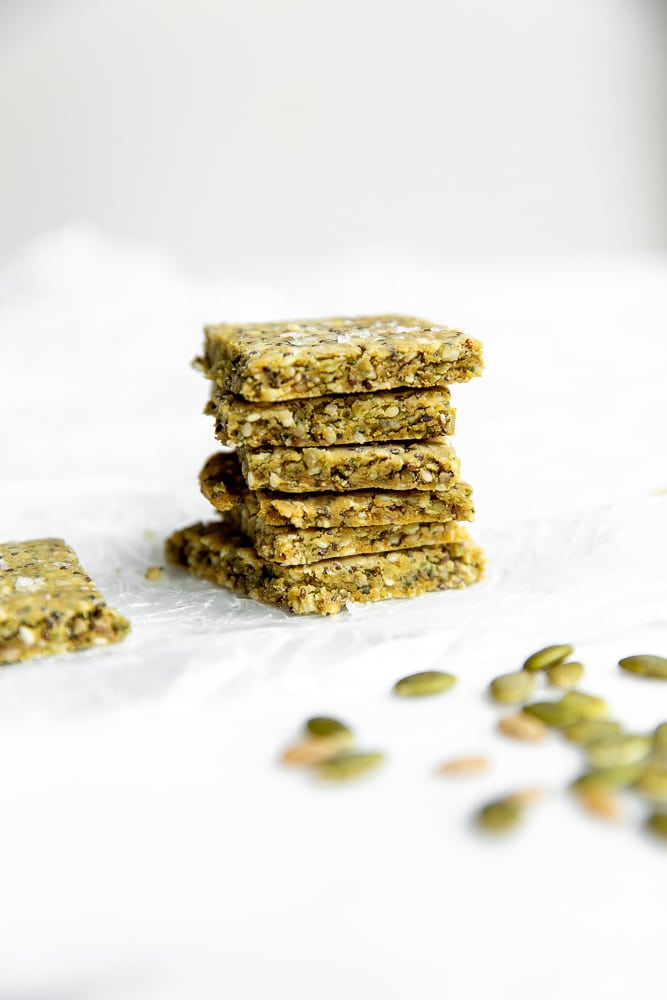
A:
[(343, 484)]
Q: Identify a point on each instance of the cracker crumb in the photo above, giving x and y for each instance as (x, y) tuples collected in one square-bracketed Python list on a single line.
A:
[(154, 573)]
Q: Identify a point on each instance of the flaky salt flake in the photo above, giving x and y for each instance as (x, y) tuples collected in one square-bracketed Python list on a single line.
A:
[(27, 584)]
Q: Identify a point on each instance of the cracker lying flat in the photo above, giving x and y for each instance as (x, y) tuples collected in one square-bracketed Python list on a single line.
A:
[(223, 485), (217, 553), (48, 604), (291, 360), (421, 465), (352, 418)]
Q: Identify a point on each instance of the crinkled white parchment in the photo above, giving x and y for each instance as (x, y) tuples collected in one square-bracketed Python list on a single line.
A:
[(151, 845)]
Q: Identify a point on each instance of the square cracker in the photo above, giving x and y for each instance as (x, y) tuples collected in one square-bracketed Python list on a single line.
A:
[(48, 604), (297, 359)]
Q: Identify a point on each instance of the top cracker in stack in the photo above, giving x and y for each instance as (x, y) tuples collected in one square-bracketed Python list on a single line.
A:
[(338, 428), (297, 360)]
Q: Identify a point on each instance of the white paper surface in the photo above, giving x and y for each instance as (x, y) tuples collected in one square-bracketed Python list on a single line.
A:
[(152, 846)]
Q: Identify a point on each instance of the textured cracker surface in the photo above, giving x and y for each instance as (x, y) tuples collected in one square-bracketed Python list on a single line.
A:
[(422, 465), (301, 358), (217, 553), (223, 485), (48, 603), (299, 546), (352, 418)]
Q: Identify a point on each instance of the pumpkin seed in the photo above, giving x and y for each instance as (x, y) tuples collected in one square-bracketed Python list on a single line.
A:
[(548, 657), (657, 825), (426, 682), (618, 750), (523, 727), (645, 665), (652, 783), (609, 777), (322, 725), (586, 731), (585, 706), (659, 748), (464, 766), (345, 766), (526, 797), (600, 801), (315, 751), (499, 816), (510, 689), (551, 713), (565, 675)]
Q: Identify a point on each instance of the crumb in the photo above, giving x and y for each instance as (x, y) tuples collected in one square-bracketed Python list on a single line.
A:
[(154, 573)]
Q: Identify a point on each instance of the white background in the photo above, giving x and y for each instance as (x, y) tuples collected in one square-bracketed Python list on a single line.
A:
[(470, 162), (270, 127)]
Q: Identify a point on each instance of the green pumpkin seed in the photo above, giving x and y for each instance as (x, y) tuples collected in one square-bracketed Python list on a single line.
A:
[(657, 825), (586, 731), (585, 706), (500, 816), (548, 657), (345, 766), (645, 665), (322, 725), (617, 751), (565, 675), (609, 777), (652, 783), (551, 713), (660, 740), (510, 689), (425, 683)]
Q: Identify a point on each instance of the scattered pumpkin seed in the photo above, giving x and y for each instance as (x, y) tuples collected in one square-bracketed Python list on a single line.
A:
[(618, 750), (585, 706), (551, 713), (657, 825), (346, 766), (645, 665), (322, 725), (600, 801), (609, 777), (586, 731), (659, 748), (464, 766), (523, 727), (548, 657), (565, 675), (314, 751), (500, 816), (652, 782), (510, 689), (427, 682), (526, 797)]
